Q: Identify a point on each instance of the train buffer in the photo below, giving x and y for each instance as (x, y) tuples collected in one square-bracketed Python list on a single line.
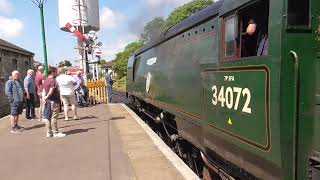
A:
[(108, 142)]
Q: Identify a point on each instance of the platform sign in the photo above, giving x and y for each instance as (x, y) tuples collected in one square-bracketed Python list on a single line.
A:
[(236, 103)]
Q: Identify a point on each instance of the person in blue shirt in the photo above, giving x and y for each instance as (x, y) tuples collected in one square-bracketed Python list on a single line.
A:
[(109, 82), (15, 93)]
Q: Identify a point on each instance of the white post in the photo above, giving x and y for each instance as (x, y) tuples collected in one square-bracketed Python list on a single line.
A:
[(93, 71), (97, 66)]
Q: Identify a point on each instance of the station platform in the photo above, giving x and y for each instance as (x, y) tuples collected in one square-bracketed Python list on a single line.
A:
[(107, 142)]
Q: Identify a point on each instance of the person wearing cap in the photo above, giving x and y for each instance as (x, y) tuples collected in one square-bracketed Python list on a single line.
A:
[(250, 45)]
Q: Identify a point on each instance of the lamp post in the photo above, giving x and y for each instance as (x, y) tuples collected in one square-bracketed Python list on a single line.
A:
[(39, 4)]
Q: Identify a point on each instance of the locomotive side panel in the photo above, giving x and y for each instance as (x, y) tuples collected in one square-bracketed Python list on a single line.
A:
[(244, 130)]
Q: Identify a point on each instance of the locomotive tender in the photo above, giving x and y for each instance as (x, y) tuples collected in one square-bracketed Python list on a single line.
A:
[(246, 115)]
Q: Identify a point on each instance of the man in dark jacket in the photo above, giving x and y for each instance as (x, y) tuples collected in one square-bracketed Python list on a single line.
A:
[(15, 94)]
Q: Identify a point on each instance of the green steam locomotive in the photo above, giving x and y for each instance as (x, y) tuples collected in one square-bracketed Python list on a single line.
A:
[(235, 89)]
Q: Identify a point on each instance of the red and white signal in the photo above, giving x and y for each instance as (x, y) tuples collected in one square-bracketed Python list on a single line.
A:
[(75, 32)]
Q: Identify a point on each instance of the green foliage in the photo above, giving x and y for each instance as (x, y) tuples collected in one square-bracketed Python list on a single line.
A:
[(102, 62), (152, 30), (183, 12), (121, 61), (65, 63), (120, 84)]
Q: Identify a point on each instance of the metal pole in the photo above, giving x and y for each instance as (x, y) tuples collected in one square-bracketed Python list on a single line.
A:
[(44, 40)]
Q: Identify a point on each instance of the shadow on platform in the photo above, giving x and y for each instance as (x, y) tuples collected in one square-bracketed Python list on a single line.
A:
[(77, 131)]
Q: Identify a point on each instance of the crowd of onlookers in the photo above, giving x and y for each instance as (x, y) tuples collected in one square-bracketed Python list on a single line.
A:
[(58, 88)]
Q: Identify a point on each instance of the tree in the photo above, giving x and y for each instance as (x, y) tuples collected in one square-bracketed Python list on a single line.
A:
[(121, 61), (65, 63), (183, 12), (152, 30)]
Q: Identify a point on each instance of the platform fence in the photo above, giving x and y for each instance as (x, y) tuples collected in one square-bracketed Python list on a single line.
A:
[(97, 91)]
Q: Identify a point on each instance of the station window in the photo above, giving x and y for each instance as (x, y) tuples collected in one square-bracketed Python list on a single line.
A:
[(298, 13), (245, 33), (15, 64), (26, 63)]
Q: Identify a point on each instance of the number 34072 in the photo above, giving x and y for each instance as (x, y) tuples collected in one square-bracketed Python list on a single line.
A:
[(230, 97)]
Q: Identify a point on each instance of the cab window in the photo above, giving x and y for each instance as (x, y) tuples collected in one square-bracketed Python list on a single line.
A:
[(298, 14), (245, 34), (230, 37)]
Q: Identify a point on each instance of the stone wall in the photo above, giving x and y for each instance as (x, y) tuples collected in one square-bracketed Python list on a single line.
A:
[(10, 61)]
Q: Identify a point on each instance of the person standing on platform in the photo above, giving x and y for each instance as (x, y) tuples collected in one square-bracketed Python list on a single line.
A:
[(14, 92), (31, 95), (39, 80), (51, 98), (66, 86), (109, 85)]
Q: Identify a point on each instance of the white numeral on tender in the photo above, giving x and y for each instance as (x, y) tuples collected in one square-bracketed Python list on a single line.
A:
[(246, 92), (229, 98), (238, 91), (221, 96), (214, 95)]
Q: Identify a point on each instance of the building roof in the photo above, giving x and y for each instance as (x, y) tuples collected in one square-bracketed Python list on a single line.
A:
[(108, 64), (11, 47)]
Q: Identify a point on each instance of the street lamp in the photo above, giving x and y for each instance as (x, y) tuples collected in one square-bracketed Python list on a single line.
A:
[(40, 3)]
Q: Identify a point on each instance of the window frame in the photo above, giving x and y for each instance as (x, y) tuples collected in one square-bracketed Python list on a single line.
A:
[(14, 63), (137, 59), (224, 57), (303, 28)]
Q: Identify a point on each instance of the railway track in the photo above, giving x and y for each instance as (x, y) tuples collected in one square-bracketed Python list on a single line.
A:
[(119, 97)]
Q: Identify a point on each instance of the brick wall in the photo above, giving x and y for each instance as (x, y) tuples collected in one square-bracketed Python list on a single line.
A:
[(4, 106), (10, 61)]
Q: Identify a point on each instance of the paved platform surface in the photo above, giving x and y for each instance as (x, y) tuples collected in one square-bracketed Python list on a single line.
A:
[(106, 143)]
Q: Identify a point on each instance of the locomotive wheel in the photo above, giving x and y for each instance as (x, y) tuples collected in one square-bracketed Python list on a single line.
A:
[(209, 175)]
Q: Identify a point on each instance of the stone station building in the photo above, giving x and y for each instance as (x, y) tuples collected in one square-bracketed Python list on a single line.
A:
[(12, 58)]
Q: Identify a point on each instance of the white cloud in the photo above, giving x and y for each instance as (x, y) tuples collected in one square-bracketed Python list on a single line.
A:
[(10, 27), (152, 9), (109, 51), (110, 19), (5, 7)]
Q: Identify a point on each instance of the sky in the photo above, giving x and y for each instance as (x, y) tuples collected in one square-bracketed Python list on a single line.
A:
[(121, 22)]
